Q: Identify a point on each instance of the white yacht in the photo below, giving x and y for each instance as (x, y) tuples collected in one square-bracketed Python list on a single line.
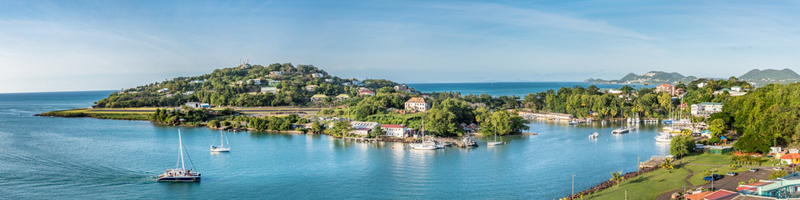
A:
[(180, 174), (665, 138), (222, 147), (427, 142)]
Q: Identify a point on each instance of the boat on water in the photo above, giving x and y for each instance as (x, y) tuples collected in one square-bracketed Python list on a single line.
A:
[(593, 135), (180, 174), (620, 131), (427, 142), (664, 138), (222, 147), (495, 143), (573, 122)]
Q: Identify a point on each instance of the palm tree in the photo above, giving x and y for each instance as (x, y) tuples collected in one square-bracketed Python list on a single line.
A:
[(667, 164), (616, 177)]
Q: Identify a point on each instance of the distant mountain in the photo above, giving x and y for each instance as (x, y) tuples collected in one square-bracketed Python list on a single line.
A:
[(767, 76), (652, 77)]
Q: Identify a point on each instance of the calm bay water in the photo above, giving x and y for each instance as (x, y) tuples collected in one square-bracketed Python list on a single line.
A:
[(84, 158)]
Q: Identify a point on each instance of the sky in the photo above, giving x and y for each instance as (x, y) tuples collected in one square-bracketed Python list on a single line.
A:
[(115, 44)]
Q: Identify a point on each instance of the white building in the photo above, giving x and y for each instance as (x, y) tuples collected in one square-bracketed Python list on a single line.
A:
[(736, 89), (394, 130), (417, 104), (614, 91), (273, 90), (162, 90), (316, 75), (255, 81), (197, 105), (701, 84), (705, 109)]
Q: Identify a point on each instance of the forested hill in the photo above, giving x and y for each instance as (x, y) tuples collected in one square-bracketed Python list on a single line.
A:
[(652, 77), (245, 86), (764, 77)]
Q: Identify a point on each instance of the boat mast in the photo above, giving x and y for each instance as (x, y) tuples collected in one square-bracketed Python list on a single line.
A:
[(180, 149), (220, 139)]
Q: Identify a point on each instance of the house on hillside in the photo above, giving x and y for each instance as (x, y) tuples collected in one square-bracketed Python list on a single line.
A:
[(318, 98), (394, 130), (417, 104), (342, 97), (255, 81), (366, 93), (311, 88), (667, 88), (316, 75), (273, 90)]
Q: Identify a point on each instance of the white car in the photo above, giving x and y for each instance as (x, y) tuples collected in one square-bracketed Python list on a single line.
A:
[(777, 168), (753, 170)]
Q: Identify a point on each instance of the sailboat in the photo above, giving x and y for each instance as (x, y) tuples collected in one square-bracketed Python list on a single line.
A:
[(427, 143), (495, 138), (180, 174), (222, 147)]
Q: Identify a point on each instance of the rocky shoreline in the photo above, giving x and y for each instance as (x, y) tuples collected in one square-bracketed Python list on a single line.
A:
[(607, 184)]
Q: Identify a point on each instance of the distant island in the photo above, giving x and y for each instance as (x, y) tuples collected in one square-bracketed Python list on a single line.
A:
[(755, 77)]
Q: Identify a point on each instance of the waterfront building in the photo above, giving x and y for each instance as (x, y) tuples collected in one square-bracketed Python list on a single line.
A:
[(705, 109), (362, 128), (417, 104), (394, 130)]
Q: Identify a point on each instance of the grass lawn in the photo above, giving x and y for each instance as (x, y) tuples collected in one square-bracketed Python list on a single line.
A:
[(647, 186)]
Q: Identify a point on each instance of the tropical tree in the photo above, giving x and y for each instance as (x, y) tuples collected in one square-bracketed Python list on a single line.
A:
[(316, 127), (377, 132), (616, 177), (778, 174), (681, 145), (667, 164), (716, 127), (341, 128)]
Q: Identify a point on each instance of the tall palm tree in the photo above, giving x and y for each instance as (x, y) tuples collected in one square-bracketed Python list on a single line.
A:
[(616, 177), (667, 164)]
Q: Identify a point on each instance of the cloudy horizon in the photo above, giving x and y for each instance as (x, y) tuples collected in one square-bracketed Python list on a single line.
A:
[(108, 45)]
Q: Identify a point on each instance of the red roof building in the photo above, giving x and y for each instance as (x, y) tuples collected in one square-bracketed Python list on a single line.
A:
[(721, 195)]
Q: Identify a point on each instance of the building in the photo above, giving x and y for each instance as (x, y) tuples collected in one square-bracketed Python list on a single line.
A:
[(402, 88), (197, 105), (255, 81), (366, 93), (670, 89), (316, 75), (273, 90), (318, 98), (697, 196), (362, 128), (790, 158), (394, 130), (342, 97), (736, 89), (614, 91), (705, 109), (701, 84), (311, 88), (273, 82), (276, 73), (163, 90), (417, 104)]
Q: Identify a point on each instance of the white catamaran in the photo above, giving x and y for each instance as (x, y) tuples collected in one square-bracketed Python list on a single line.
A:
[(222, 147), (180, 174)]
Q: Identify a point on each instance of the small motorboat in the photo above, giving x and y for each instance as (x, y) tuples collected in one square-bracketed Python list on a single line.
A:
[(593, 135)]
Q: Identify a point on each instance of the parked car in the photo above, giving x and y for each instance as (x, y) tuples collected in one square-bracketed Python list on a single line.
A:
[(713, 177), (753, 170), (777, 168), (732, 173)]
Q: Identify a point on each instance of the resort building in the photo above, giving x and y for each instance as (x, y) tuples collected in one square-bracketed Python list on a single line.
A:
[(417, 104), (394, 130), (705, 109), (362, 128), (318, 98), (666, 88)]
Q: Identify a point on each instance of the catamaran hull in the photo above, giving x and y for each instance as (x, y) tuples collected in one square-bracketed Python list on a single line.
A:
[(180, 179)]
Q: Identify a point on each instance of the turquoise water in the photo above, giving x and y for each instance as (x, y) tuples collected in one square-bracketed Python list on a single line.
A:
[(519, 89), (84, 158)]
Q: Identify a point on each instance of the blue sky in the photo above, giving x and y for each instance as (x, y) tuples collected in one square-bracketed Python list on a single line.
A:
[(95, 45)]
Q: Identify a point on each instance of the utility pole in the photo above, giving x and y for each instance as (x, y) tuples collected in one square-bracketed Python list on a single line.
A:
[(626, 194), (573, 186)]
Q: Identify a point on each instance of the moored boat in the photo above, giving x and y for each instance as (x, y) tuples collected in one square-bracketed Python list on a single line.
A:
[(180, 174), (222, 147), (593, 135)]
